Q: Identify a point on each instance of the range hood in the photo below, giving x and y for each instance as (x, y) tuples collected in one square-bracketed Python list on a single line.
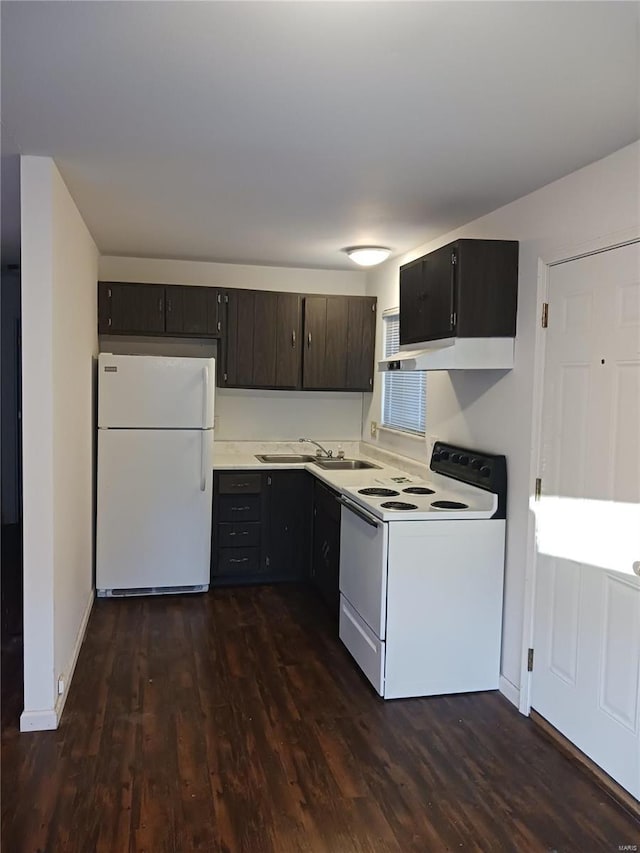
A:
[(453, 354)]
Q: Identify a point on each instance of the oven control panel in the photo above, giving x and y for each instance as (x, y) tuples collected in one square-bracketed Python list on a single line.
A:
[(487, 471)]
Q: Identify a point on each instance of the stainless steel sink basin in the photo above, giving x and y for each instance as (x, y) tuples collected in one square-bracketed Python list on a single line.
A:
[(344, 464), (285, 458)]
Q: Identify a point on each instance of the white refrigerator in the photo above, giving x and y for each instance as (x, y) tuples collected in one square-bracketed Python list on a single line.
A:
[(155, 454)]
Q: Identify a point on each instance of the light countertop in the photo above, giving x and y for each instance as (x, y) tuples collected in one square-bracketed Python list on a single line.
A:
[(234, 456)]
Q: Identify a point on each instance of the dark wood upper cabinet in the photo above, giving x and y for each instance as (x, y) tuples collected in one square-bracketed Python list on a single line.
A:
[(288, 340), (159, 309), (187, 310), (130, 309), (465, 289), (361, 337), (266, 339), (263, 339), (338, 337)]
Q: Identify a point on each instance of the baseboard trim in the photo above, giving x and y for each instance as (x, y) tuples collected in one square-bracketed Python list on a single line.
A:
[(38, 721), (602, 779), (508, 689), (71, 666)]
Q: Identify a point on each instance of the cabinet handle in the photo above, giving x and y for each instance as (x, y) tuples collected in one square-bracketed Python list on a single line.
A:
[(242, 485), (239, 560), (309, 339), (293, 338), (240, 508), (109, 322), (160, 304), (109, 292), (169, 304), (454, 261), (242, 533), (219, 325)]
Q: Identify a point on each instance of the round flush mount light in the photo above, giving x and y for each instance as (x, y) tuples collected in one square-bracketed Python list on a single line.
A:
[(368, 256)]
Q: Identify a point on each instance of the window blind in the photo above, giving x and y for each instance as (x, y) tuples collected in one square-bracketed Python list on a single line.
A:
[(403, 394)]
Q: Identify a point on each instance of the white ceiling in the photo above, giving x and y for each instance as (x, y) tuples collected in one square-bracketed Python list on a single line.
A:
[(279, 133)]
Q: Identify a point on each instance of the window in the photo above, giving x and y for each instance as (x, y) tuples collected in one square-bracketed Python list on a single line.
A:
[(404, 395)]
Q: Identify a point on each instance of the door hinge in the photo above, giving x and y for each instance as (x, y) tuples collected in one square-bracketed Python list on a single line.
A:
[(267, 561), (530, 660), (454, 317), (545, 315), (538, 488)]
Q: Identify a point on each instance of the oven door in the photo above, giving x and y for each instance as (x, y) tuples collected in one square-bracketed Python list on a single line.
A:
[(363, 564)]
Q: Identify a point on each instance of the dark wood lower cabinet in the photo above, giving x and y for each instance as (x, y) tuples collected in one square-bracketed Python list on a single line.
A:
[(325, 552), (261, 526), (288, 524)]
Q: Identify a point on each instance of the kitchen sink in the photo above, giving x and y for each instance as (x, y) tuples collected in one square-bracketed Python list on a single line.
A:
[(285, 458), (344, 464)]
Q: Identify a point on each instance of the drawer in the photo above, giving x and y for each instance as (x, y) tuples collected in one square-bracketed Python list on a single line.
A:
[(238, 561), (239, 508), (240, 483), (366, 649), (238, 535)]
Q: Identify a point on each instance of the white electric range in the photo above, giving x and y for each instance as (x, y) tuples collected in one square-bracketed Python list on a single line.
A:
[(421, 576)]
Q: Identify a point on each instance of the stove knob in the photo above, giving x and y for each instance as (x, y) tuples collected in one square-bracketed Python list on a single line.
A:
[(455, 457), (476, 463), (444, 455), (485, 472), (464, 460)]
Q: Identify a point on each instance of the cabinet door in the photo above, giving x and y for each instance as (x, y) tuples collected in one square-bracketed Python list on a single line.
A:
[(361, 343), (217, 301), (186, 310), (288, 343), (240, 351), (324, 363), (289, 523), (265, 323), (325, 558), (131, 309), (427, 297)]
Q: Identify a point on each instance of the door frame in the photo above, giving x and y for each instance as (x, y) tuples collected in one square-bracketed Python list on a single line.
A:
[(555, 257)]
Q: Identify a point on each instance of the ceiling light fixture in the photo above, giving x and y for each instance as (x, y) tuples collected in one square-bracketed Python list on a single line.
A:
[(368, 256)]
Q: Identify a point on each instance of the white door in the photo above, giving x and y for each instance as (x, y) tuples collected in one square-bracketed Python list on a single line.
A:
[(154, 508), (155, 392), (585, 679)]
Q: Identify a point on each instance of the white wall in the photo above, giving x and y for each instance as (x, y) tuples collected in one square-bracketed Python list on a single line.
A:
[(493, 411), (59, 305), (246, 414)]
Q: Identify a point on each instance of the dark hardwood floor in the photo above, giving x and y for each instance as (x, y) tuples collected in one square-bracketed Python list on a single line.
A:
[(236, 722)]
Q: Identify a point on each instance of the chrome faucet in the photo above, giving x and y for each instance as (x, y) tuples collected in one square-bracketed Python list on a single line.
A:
[(327, 453)]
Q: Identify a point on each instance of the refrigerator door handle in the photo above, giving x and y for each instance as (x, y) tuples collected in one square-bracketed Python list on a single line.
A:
[(203, 463), (205, 396)]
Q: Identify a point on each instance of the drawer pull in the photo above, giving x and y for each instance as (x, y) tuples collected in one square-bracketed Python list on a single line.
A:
[(240, 508), (241, 485), (239, 560), (242, 533)]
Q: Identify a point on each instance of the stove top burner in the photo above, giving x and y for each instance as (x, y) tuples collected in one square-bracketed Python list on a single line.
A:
[(449, 505), (378, 492), (398, 505), (418, 490)]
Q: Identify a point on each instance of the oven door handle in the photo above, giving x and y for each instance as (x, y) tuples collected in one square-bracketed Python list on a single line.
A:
[(368, 519)]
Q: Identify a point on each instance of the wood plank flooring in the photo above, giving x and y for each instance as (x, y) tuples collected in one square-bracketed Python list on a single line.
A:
[(236, 722)]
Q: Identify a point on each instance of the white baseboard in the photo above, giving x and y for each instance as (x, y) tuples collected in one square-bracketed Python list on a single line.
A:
[(38, 721), (510, 691), (71, 666)]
